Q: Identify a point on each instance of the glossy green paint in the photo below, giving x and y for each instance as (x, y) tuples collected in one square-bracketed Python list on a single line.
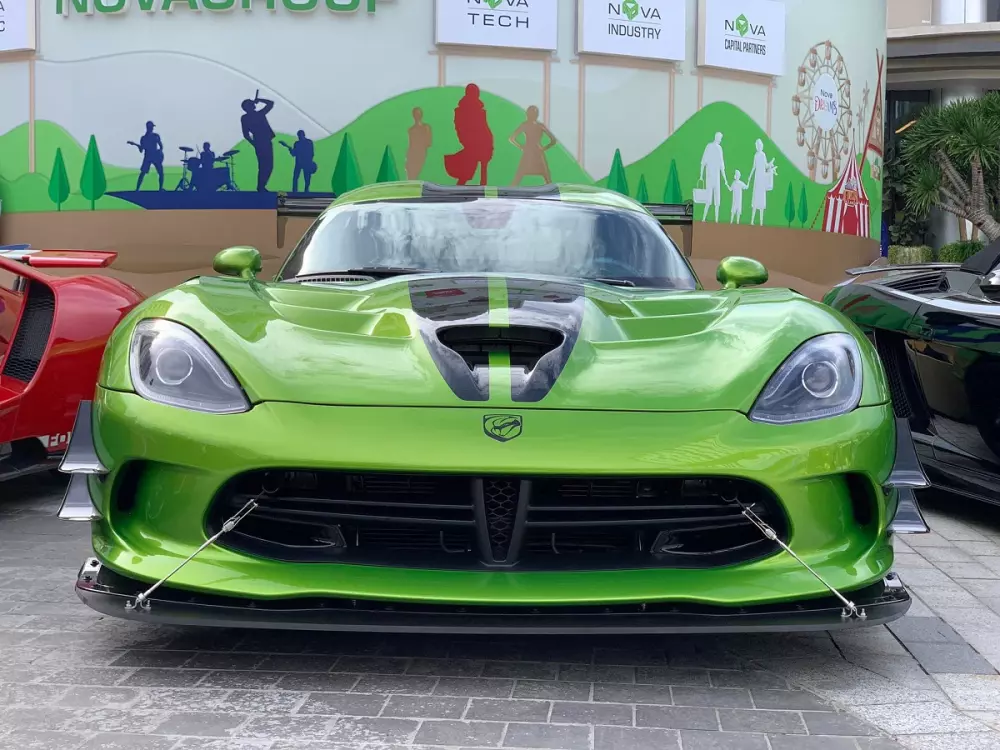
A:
[(242, 261), (735, 272), (638, 350), (190, 455), (658, 383)]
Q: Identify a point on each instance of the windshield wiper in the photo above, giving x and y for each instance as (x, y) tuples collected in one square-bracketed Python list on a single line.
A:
[(378, 272), (614, 282)]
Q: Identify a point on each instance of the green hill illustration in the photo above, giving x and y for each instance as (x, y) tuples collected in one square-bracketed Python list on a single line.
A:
[(740, 132), (385, 125), (669, 173)]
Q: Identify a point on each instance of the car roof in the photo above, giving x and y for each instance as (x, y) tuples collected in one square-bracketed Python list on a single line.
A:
[(414, 190)]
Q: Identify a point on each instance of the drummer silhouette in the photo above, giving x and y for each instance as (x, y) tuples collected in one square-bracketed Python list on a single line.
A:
[(302, 151), (257, 130), (207, 156), (151, 148)]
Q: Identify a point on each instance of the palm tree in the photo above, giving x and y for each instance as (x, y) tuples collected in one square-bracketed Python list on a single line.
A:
[(951, 160)]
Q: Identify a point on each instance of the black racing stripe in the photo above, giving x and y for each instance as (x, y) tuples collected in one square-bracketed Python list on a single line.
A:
[(556, 305), (447, 302), (445, 193), (530, 191)]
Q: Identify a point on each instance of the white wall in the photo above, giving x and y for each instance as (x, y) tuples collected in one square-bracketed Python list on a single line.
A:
[(188, 72)]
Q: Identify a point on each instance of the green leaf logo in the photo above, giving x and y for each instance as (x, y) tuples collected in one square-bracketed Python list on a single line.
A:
[(742, 25), (631, 9), (493, 3)]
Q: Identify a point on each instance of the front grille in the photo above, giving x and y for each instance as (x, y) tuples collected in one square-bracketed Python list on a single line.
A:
[(500, 500), (28, 348), (467, 522)]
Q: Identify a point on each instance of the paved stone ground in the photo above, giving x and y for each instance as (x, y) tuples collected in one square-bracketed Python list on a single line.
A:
[(72, 679)]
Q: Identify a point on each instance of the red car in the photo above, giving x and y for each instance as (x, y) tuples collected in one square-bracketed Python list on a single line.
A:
[(53, 330)]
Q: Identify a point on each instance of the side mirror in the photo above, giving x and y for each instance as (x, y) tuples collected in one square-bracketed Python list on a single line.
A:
[(241, 261), (736, 271)]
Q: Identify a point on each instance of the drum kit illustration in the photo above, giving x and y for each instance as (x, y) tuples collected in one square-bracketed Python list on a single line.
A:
[(207, 177)]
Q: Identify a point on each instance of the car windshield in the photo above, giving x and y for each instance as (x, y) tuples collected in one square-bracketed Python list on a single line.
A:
[(493, 235)]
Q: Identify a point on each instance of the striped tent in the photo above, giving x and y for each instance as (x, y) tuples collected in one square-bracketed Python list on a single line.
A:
[(847, 210)]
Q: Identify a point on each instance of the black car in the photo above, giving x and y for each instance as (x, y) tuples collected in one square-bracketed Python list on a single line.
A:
[(937, 330)]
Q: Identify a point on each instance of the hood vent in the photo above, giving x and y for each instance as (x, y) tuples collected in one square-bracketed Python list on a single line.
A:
[(920, 283), (525, 345)]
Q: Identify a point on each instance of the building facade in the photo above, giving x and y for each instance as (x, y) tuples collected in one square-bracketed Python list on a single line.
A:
[(158, 126), (940, 51)]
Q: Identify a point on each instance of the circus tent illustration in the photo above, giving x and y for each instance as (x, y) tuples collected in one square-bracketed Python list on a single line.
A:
[(847, 210)]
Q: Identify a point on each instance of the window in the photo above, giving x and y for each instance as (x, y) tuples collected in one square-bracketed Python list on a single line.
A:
[(992, 11)]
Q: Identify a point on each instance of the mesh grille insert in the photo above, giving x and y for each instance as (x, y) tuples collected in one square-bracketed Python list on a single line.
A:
[(500, 499), (25, 354)]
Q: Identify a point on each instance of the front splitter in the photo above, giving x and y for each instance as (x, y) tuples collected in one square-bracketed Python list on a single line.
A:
[(108, 592)]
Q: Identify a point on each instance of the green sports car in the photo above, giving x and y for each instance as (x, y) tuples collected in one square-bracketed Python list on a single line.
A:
[(490, 410)]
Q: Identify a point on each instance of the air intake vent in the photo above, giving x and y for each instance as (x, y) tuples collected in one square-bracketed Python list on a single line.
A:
[(32, 335), (921, 283), (525, 345), (338, 279)]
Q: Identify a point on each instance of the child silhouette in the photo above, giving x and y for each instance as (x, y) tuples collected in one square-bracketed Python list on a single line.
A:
[(737, 187)]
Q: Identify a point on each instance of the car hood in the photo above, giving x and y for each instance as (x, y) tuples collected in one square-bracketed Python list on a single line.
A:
[(490, 340)]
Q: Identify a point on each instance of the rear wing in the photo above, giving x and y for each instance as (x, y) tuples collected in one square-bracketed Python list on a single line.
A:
[(311, 206), (24, 254)]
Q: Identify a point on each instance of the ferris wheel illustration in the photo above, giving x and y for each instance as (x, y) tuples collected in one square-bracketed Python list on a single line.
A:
[(822, 104)]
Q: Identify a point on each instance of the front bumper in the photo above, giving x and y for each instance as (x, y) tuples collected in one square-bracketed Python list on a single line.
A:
[(189, 458), (108, 592)]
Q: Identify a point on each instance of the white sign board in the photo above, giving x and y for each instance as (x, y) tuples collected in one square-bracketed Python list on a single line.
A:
[(654, 29), (524, 24), (17, 25), (746, 35)]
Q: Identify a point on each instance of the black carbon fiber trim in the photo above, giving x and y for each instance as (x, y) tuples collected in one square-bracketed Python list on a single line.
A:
[(32, 336)]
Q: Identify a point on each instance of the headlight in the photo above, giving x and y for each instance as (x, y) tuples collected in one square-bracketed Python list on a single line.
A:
[(821, 379), (170, 364)]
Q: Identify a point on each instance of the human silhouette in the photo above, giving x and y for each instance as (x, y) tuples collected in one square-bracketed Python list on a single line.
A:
[(151, 148), (473, 131), (257, 130), (762, 176), (736, 187), (533, 162), (713, 172), (302, 151), (421, 138), (207, 156)]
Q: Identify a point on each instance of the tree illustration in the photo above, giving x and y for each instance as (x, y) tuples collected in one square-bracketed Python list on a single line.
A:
[(672, 192), (347, 173), (93, 183), (387, 169), (790, 205), (617, 180), (642, 192), (803, 207), (59, 181)]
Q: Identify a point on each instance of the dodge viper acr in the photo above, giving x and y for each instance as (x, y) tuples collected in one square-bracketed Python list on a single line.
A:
[(52, 335), (462, 409)]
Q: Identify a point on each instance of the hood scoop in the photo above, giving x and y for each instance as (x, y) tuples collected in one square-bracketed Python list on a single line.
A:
[(523, 346)]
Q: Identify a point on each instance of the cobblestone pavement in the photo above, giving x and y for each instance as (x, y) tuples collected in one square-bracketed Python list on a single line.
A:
[(70, 678)]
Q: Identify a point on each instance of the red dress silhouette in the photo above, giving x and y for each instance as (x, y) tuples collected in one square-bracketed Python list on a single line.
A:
[(474, 134)]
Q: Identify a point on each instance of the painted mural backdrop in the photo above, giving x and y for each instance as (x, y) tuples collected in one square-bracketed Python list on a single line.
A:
[(720, 157)]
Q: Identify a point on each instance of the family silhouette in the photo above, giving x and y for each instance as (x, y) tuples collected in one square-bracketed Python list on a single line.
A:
[(759, 182)]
